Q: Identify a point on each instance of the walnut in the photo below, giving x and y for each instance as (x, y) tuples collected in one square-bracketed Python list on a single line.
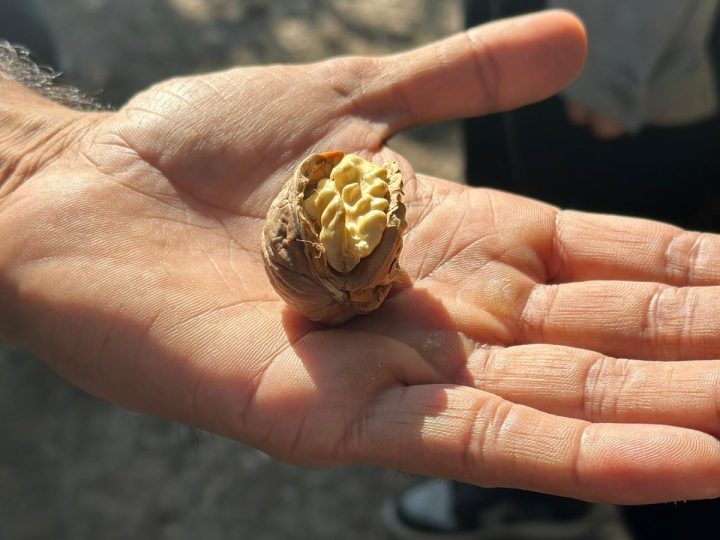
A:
[(333, 236)]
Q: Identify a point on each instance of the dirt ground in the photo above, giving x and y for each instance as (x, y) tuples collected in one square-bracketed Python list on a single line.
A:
[(73, 467), (116, 48)]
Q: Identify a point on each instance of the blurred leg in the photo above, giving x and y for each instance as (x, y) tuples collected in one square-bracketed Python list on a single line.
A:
[(669, 174)]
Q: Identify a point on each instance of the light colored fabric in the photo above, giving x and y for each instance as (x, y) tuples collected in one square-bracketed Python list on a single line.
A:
[(431, 503), (648, 60)]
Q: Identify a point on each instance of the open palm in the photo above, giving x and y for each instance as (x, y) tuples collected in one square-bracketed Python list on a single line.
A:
[(140, 279)]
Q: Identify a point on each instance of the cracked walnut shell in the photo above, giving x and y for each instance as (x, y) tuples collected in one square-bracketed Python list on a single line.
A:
[(333, 236)]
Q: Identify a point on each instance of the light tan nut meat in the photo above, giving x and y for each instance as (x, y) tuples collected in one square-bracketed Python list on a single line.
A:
[(333, 236)]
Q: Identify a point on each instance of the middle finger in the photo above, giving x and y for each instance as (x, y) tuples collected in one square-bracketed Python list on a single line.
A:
[(622, 318)]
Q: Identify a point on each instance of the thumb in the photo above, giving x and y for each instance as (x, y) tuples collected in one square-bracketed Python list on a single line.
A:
[(490, 68)]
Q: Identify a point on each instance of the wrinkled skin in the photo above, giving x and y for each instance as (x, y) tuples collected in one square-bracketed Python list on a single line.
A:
[(130, 261)]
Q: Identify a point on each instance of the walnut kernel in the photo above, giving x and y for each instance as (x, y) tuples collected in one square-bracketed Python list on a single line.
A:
[(333, 236)]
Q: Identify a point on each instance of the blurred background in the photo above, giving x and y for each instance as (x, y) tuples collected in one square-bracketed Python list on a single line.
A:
[(74, 467)]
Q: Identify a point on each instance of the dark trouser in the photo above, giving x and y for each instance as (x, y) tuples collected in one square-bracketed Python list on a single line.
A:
[(667, 174)]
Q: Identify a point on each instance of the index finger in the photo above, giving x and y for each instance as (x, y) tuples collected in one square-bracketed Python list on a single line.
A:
[(585, 246)]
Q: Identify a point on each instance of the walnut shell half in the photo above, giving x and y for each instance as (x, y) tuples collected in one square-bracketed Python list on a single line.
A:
[(331, 204)]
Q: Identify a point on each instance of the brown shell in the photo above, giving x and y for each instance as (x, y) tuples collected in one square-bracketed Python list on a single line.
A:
[(295, 260)]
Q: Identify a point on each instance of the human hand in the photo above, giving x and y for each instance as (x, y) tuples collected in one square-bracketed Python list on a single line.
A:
[(131, 263), (603, 127)]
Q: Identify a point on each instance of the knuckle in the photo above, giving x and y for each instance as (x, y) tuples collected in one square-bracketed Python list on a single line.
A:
[(668, 321), (603, 388), (483, 437), (487, 71)]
